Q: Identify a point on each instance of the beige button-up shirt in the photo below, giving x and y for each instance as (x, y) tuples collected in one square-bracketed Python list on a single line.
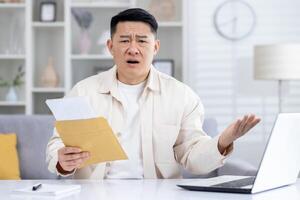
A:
[(171, 126)]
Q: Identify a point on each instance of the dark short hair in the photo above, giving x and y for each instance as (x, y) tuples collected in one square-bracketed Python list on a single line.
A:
[(133, 15)]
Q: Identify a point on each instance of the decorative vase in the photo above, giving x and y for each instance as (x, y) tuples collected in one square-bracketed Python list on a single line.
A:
[(11, 94), (84, 42), (163, 10), (49, 77)]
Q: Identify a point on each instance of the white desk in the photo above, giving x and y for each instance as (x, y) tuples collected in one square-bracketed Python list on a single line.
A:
[(143, 189)]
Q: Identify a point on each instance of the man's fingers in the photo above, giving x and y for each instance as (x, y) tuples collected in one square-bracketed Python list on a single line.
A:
[(238, 129), (68, 150), (251, 118), (242, 125), (75, 163), (69, 157), (253, 123), (237, 125), (72, 163), (248, 123)]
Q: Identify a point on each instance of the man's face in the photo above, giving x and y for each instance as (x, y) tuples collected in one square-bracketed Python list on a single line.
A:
[(133, 47)]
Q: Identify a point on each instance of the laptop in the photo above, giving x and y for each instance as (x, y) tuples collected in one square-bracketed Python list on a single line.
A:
[(279, 166)]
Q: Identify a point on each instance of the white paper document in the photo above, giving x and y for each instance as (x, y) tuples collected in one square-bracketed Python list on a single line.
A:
[(49, 190), (71, 108)]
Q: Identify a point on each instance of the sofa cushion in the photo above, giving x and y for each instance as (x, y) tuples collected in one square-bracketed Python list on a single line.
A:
[(33, 133), (9, 168)]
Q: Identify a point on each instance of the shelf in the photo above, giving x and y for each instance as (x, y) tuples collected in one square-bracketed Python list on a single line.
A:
[(48, 24), (17, 103), (100, 5), (48, 90), (59, 39), (12, 57), (12, 5), (170, 24), (92, 57)]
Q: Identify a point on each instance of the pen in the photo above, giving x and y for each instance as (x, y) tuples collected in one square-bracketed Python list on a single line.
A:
[(36, 187)]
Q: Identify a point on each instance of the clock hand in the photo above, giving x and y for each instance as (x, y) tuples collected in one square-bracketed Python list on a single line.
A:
[(234, 25), (234, 20)]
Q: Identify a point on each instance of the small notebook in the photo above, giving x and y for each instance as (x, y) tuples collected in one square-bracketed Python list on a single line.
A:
[(49, 190)]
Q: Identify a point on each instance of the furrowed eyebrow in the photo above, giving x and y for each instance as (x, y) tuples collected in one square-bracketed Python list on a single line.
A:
[(138, 36), (124, 36), (142, 36)]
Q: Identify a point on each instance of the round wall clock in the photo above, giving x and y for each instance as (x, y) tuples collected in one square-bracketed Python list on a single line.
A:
[(234, 19)]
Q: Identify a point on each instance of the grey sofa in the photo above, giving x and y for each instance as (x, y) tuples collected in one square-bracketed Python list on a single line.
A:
[(34, 131)]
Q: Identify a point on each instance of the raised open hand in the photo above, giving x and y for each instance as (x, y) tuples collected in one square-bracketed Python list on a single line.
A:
[(235, 130)]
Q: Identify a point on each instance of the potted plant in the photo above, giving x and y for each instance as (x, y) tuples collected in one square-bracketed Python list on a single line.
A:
[(12, 85)]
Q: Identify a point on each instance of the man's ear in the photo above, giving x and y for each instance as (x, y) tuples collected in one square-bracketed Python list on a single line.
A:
[(109, 45), (156, 46)]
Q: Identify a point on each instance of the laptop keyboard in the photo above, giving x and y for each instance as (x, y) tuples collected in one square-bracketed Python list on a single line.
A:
[(237, 183)]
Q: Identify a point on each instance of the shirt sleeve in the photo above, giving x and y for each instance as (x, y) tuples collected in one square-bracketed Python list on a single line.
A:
[(55, 143), (194, 149)]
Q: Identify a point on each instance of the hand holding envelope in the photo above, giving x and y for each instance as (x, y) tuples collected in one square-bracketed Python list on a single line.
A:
[(78, 126), (70, 158)]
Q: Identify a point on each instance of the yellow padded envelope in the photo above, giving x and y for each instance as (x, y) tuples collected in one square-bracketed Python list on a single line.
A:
[(93, 135)]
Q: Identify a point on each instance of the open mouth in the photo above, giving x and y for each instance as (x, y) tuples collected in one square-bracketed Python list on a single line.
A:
[(133, 62)]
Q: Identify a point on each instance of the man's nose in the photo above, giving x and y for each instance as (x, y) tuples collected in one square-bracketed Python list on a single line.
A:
[(133, 49)]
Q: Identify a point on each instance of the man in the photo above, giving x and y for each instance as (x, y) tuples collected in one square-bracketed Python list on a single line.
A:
[(157, 119)]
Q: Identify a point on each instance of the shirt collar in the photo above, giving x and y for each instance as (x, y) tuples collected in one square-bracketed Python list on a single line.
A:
[(109, 83)]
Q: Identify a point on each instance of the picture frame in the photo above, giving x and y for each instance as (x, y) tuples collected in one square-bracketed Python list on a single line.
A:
[(48, 11), (165, 66)]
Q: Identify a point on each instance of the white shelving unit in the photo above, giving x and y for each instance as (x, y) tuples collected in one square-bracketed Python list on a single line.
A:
[(104, 4), (12, 5), (12, 53), (12, 57), (60, 40), (48, 90), (91, 57), (47, 40), (170, 24), (17, 103), (48, 24)]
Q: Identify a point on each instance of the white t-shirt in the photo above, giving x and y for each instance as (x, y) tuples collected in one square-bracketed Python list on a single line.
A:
[(130, 138)]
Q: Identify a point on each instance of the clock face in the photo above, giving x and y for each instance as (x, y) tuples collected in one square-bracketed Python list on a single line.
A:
[(234, 19)]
